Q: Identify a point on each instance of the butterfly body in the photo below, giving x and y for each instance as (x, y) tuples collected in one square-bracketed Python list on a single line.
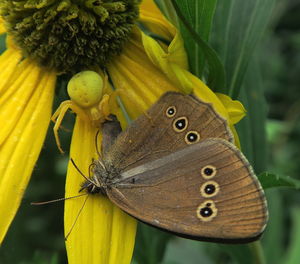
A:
[(176, 168)]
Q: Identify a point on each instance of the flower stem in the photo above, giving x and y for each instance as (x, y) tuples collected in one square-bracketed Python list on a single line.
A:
[(257, 252)]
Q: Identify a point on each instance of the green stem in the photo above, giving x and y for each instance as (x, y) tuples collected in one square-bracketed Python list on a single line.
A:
[(257, 252), (120, 102)]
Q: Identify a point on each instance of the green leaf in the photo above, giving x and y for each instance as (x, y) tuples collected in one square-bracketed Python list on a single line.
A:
[(274, 236), (216, 73), (269, 180), (2, 43), (181, 250), (293, 253), (150, 244), (252, 128), (242, 254), (198, 13), (238, 26)]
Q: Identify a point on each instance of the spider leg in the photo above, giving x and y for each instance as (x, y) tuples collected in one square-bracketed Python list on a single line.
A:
[(104, 106), (58, 110), (57, 118)]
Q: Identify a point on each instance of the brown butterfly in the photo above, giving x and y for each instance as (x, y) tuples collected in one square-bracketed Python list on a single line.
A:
[(176, 168)]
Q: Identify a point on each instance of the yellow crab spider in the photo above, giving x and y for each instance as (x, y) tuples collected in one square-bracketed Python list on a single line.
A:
[(87, 101)]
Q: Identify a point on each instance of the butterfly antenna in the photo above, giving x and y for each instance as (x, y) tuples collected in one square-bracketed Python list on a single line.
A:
[(58, 200), (73, 162), (66, 237)]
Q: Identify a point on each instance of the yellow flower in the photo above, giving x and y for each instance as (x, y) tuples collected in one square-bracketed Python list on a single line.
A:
[(141, 73)]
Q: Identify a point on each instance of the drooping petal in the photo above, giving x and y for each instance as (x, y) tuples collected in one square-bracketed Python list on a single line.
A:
[(103, 233), (151, 14), (182, 78), (25, 110), (153, 19), (235, 108)]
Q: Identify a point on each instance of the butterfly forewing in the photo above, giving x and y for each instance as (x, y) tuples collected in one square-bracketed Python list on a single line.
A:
[(172, 123), (204, 191)]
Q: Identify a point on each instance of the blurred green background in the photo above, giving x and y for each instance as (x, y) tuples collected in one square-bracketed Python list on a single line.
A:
[(36, 235)]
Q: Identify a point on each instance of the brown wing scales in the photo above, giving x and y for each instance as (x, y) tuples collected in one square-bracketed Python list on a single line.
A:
[(176, 193), (154, 134)]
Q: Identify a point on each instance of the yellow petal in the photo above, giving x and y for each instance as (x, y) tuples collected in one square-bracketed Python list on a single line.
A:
[(14, 100), (183, 79), (166, 59), (236, 136), (9, 61), (155, 21), (151, 9), (175, 52), (103, 233), (235, 108), (139, 82), (24, 139), (2, 27)]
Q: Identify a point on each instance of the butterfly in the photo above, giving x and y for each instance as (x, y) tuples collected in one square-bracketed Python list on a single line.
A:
[(176, 168)]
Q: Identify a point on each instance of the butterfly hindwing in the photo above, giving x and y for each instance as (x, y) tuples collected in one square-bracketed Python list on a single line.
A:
[(204, 191)]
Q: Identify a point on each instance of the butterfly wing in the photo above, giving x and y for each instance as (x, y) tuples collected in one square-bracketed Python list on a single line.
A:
[(206, 191), (173, 123)]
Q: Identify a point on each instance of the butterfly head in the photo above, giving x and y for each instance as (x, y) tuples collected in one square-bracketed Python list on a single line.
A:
[(103, 176), (92, 187)]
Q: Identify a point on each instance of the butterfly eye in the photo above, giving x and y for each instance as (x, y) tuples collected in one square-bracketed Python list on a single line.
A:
[(209, 189), (207, 211), (192, 137), (180, 124), (208, 172), (171, 111)]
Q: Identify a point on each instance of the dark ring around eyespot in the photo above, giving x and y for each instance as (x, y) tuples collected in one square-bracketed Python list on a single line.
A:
[(209, 189), (180, 124), (171, 111), (208, 171), (207, 211), (189, 140)]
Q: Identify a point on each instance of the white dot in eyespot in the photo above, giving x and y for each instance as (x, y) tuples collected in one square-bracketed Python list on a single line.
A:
[(207, 211), (209, 189), (192, 137), (171, 111)]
